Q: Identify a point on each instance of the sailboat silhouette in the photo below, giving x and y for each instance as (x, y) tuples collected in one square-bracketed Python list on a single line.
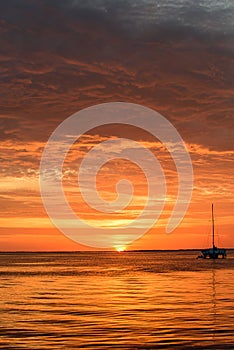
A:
[(214, 252)]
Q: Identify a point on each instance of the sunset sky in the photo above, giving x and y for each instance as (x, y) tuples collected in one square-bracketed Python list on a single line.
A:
[(58, 57)]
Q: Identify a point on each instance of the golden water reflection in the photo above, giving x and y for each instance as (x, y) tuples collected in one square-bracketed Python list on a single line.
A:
[(127, 300)]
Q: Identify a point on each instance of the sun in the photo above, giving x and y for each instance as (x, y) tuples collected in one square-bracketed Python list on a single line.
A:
[(120, 248)]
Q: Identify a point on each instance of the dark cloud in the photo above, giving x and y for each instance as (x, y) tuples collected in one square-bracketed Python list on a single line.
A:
[(9, 127), (60, 56)]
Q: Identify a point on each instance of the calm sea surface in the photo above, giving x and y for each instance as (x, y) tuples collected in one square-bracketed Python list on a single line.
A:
[(130, 300)]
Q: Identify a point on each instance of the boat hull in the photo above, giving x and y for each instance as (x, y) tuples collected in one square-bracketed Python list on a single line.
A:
[(213, 253)]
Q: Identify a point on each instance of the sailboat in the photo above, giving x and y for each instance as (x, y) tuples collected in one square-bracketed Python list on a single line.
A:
[(214, 252)]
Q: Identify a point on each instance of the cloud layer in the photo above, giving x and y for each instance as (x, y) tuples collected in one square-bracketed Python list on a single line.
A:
[(58, 57)]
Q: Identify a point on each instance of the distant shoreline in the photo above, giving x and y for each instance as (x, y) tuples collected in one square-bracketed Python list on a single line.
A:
[(104, 251)]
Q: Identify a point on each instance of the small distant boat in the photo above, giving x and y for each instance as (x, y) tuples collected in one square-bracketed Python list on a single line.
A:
[(214, 252)]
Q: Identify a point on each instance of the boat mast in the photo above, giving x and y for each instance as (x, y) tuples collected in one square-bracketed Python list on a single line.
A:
[(213, 225)]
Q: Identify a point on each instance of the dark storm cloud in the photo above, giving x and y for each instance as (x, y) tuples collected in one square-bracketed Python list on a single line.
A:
[(146, 20), (167, 17), (174, 56)]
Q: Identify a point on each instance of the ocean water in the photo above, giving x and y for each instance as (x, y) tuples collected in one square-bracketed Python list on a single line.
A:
[(110, 300)]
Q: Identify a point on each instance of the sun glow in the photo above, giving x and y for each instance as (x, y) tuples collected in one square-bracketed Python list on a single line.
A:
[(121, 248)]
